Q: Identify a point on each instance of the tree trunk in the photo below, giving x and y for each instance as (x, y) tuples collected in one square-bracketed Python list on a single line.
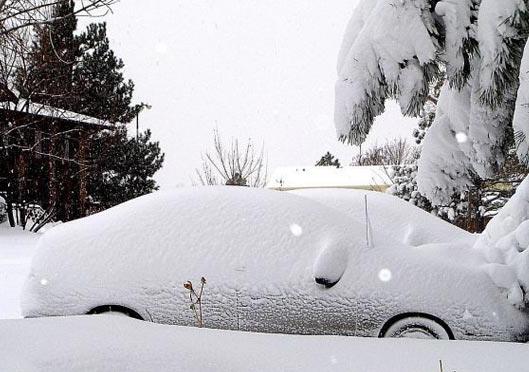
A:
[(83, 182), (52, 169)]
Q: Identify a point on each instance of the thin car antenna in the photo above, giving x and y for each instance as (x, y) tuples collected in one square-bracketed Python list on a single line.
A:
[(369, 236)]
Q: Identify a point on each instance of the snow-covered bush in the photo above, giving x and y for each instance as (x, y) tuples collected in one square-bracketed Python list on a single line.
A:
[(394, 152), (470, 210), (505, 244), (404, 186)]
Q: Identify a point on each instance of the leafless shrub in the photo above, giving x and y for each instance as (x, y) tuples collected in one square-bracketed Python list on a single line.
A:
[(18, 15), (396, 152), (18, 19), (234, 166)]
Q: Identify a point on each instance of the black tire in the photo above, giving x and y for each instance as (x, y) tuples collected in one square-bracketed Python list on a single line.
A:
[(116, 310), (418, 327)]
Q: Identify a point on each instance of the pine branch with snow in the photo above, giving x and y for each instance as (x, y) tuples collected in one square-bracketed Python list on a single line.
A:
[(395, 49)]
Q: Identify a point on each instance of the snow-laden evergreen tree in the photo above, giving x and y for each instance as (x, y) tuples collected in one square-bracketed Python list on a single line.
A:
[(521, 116), (396, 48), (404, 186), (427, 115)]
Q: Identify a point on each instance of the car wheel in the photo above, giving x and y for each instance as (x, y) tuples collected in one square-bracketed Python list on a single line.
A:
[(116, 310), (417, 327)]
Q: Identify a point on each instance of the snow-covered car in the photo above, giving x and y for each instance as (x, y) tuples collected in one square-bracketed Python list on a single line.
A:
[(274, 262), (389, 214)]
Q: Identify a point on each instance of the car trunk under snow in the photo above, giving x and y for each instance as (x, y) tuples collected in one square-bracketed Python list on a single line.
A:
[(389, 215)]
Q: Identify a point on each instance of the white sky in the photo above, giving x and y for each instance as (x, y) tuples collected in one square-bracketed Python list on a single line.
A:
[(260, 69)]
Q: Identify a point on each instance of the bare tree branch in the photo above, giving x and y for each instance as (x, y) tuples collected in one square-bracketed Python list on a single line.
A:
[(236, 166)]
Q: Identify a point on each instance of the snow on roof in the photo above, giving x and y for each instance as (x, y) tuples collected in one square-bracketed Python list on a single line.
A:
[(39, 109), (357, 177)]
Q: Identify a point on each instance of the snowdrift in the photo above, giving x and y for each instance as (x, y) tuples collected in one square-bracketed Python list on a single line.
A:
[(142, 251), (106, 343)]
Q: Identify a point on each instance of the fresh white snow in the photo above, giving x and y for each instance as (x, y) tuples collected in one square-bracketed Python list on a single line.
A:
[(521, 115), (505, 244), (452, 116), (16, 250), (105, 343)]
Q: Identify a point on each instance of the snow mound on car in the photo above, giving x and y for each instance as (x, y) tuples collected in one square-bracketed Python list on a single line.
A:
[(389, 215), (505, 244), (223, 233)]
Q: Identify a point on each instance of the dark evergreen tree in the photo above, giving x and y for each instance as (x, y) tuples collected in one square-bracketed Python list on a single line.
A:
[(82, 74), (328, 160), (99, 85), (123, 167), (127, 170)]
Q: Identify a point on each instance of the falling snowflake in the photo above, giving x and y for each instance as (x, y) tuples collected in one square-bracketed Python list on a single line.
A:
[(461, 137), (296, 229), (384, 275)]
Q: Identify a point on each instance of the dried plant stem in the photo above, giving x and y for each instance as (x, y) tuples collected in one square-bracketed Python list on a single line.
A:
[(196, 301)]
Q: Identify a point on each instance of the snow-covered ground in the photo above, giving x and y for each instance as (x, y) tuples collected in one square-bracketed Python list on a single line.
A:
[(16, 250), (111, 343)]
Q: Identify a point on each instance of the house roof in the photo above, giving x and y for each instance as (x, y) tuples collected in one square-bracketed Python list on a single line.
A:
[(46, 111), (289, 178)]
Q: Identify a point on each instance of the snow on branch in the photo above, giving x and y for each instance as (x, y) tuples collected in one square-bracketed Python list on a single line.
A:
[(521, 115), (442, 150), (502, 34), (395, 49), (388, 51), (458, 18)]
